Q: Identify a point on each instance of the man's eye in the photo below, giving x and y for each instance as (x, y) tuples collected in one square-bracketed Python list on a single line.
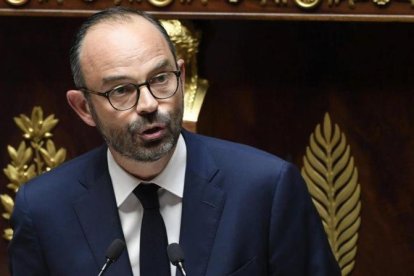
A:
[(123, 90), (159, 79)]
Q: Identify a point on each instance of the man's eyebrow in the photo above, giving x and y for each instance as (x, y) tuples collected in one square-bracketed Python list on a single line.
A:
[(160, 65), (115, 78), (163, 64)]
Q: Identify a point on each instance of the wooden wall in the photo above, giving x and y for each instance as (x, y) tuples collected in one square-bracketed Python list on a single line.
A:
[(270, 84)]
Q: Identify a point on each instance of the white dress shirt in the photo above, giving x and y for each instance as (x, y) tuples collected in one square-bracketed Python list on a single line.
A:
[(171, 181)]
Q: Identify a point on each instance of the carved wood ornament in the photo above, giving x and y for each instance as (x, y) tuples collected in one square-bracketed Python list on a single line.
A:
[(303, 4)]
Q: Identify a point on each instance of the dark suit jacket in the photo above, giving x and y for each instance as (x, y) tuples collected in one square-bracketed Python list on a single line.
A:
[(245, 212)]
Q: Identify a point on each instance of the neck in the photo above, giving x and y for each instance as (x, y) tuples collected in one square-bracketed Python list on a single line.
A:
[(143, 170)]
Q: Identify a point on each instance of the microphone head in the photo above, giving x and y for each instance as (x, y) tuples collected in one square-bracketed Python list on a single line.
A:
[(115, 249), (175, 253)]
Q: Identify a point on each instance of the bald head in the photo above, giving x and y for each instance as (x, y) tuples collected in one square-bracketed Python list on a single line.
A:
[(116, 15)]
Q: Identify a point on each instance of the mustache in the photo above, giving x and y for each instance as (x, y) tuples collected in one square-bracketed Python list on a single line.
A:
[(142, 123)]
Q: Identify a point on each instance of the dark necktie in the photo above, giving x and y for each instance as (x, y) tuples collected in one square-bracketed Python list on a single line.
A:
[(153, 250)]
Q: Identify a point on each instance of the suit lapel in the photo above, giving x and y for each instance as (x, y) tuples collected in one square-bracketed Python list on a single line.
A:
[(203, 203), (98, 215)]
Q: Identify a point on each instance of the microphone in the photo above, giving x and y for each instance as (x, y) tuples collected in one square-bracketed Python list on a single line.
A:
[(176, 256), (112, 253)]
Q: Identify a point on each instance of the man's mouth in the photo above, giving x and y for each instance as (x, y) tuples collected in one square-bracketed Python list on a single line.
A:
[(152, 130), (153, 133)]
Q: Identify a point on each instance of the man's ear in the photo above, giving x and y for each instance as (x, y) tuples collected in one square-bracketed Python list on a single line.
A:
[(181, 67), (79, 104)]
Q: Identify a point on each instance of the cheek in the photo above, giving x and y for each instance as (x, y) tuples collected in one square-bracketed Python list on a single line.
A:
[(178, 101), (173, 106), (101, 105), (112, 118)]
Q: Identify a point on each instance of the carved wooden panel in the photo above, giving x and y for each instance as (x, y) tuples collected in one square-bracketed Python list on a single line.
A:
[(343, 10), (270, 84)]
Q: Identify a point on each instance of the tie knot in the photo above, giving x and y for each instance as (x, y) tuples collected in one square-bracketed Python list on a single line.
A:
[(147, 195)]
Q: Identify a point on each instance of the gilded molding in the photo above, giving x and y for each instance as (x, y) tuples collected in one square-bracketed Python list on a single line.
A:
[(17, 2), (58, 1), (160, 3), (277, 2), (381, 2), (303, 4), (307, 4), (31, 158), (332, 180)]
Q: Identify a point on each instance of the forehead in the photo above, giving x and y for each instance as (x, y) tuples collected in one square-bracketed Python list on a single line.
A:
[(116, 40)]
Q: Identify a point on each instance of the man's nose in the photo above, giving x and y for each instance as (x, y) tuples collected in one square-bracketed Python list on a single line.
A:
[(146, 102)]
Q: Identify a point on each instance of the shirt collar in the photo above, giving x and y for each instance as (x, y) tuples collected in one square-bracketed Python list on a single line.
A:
[(170, 179)]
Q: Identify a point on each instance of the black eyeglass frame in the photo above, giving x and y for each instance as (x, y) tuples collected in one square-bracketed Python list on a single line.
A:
[(105, 94)]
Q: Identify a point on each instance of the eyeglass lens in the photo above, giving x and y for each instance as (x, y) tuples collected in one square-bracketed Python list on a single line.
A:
[(161, 86)]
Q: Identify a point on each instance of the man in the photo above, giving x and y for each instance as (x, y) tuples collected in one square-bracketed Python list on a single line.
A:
[(233, 209)]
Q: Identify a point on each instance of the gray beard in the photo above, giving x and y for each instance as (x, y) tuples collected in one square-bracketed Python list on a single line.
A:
[(125, 145), (123, 140)]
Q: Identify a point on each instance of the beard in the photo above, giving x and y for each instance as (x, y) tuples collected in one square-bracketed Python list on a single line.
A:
[(125, 140)]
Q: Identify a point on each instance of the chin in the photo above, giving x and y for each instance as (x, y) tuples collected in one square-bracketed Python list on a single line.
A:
[(151, 152)]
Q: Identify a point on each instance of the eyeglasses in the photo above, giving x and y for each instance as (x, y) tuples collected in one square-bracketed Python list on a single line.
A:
[(125, 96)]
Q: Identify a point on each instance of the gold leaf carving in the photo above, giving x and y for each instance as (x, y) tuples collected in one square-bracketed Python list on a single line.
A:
[(17, 2), (332, 179), (8, 203), (381, 2), (8, 234), (160, 3), (30, 161), (186, 40), (307, 4)]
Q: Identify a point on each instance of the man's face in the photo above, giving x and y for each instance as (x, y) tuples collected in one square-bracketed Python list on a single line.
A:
[(115, 53)]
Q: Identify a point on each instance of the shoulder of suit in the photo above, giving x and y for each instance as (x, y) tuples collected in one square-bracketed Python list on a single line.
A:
[(235, 151), (71, 169)]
